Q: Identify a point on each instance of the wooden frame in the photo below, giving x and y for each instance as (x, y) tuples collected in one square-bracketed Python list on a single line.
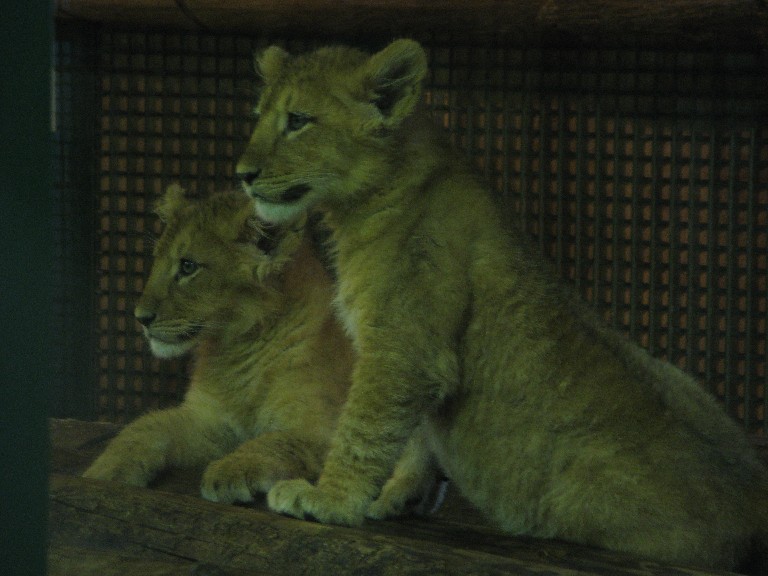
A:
[(682, 23)]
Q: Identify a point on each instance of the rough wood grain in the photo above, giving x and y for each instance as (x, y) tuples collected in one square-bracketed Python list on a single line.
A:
[(110, 529), (71, 561), (684, 23), (162, 528)]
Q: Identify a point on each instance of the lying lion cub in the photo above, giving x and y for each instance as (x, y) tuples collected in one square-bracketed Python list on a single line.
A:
[(271, 366), (549, 422)]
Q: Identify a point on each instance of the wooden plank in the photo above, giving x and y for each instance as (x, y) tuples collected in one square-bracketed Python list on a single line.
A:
[(154, 13), (683, 23), (110, 529), (68, 561), (166, 527)]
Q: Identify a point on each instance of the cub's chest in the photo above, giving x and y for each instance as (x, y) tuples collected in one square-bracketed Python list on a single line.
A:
[(364, 294), (373, 272)]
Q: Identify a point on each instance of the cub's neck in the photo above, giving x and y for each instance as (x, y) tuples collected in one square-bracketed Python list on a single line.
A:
[(411, 166)]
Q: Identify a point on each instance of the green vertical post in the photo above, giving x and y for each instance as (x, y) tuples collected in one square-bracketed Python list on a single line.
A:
[(25, 284)]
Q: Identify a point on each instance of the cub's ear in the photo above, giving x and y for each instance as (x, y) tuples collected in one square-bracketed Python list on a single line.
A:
[(273, 245), (393, 76), (265, 237), (272, 239), (170, 202), (269, 61)]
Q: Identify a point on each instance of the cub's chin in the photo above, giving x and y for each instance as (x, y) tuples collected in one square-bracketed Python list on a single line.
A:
[(162, 349), (275, 213)]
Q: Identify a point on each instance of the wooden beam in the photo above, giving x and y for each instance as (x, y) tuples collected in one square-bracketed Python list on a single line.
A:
[(108, 529), (681, 23), (86, 561), (161, 529)]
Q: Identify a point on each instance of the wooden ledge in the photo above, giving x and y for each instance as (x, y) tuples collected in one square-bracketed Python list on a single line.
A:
[(682, 23), (107, 529)]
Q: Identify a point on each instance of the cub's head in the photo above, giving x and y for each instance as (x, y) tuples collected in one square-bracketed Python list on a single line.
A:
[(322, 122), (214, 271)]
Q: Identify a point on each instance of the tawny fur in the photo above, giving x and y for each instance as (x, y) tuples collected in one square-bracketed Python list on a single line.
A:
[(271, 365), (550, 423)]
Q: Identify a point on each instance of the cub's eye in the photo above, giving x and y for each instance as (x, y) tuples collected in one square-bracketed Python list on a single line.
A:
[(187, 267), (297, 121)]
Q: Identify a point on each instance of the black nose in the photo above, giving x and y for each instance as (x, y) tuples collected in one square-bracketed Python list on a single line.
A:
[(146, 319), (249, 176)]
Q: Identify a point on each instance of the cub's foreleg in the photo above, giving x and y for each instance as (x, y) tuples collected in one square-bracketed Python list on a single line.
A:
[(158, 440), (258, 463), (385, 405)]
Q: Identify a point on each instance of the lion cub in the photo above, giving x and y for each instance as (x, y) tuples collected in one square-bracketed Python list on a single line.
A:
[(549, 422), (271, 366)]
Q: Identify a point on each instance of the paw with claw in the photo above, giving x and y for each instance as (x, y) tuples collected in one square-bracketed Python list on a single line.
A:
[(325, 504)]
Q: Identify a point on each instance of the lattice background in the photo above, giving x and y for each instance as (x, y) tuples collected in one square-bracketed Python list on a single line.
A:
[(643, 174)]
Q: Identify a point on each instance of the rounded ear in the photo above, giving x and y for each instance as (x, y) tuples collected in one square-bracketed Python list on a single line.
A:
[(170, 202), (274, 245), (269, 61), (270, 239), (393, 76)]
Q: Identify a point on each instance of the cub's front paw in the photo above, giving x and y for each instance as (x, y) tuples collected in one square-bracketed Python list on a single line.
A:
[(114, 468), (227, 481), (301, 499), (391, 505)]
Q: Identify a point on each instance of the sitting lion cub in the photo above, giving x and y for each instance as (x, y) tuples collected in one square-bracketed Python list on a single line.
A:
[(271, 366), (551, 423)]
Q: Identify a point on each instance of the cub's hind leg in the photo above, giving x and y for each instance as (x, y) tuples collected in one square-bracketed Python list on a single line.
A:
[(158, 440), (629, 508)]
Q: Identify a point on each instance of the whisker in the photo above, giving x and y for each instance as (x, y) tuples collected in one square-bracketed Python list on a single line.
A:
[(150, 238), (252, 91)]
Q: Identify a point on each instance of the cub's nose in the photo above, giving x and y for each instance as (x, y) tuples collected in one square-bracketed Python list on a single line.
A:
[(145, 319), (248, 176)]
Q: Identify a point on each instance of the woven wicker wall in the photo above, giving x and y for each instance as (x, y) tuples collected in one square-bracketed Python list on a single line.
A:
[(643, 174)]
